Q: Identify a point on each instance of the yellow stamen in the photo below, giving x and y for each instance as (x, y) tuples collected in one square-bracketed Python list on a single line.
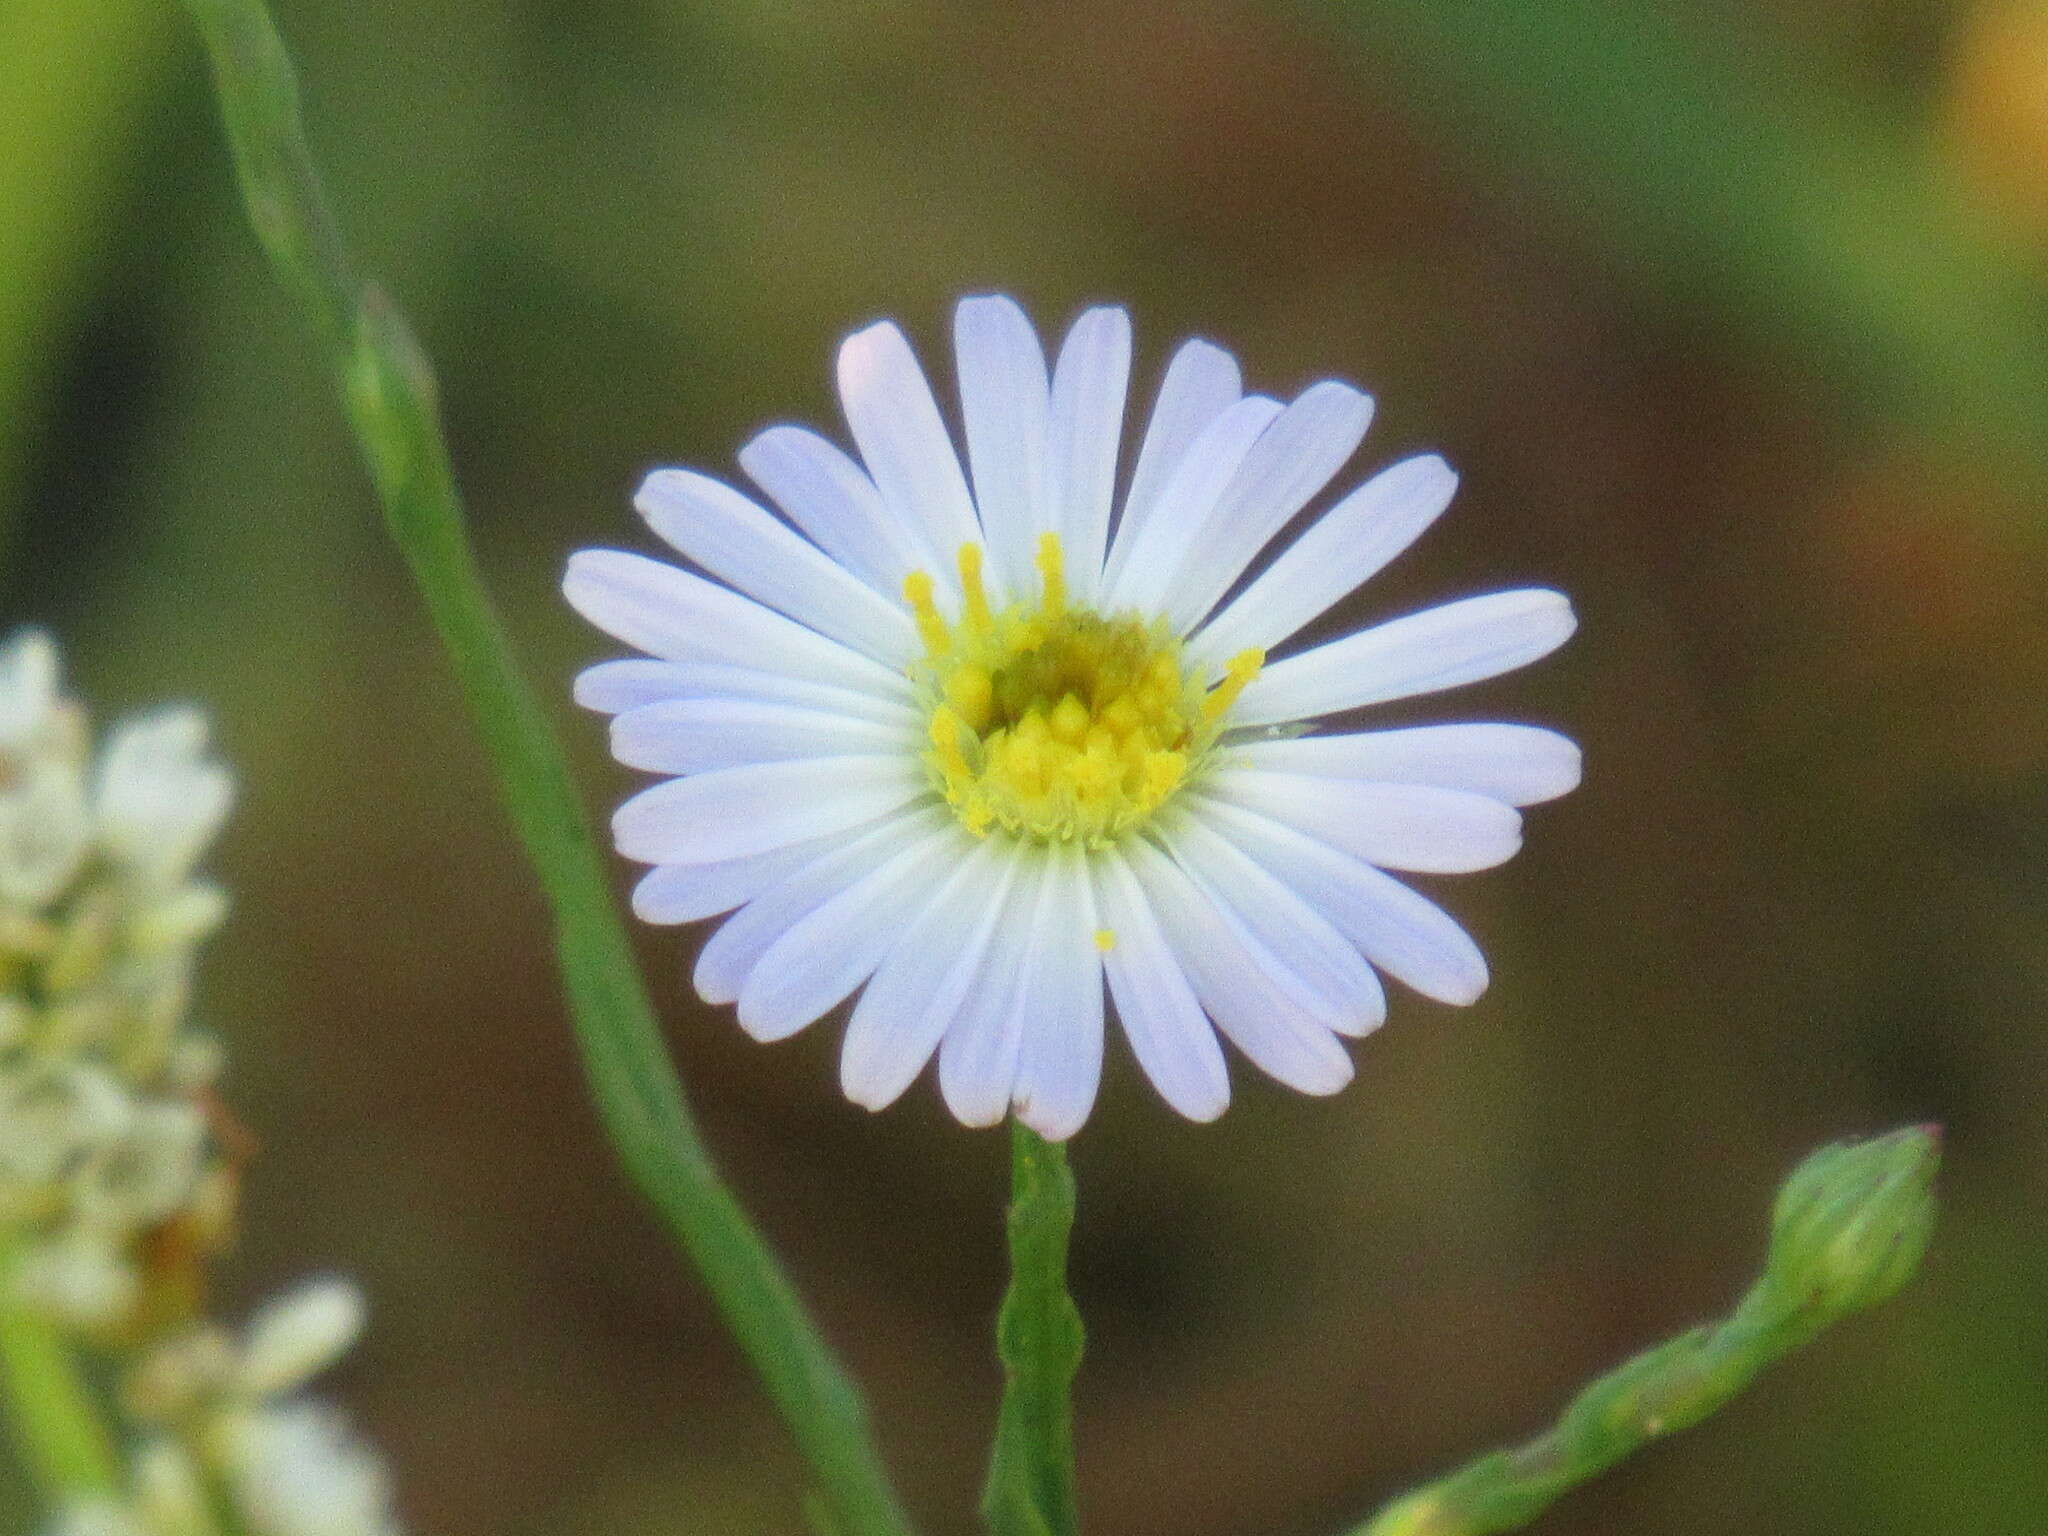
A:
[(1105, 939), (970, 691), (975, 615), (1052, 571), (946, 732), (931, 628), (1163, 773), (1069, 721), (1244, 666), (1059, 724)]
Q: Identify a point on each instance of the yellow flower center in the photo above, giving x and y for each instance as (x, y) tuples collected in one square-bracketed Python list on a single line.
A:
[(1058, 723)]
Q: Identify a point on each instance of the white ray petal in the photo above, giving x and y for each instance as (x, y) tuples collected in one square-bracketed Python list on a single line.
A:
[(698, 735), (732, 812), (978, 1056), (1291, 462), (1089, 383), (1443, 647), (1398, 826), (745, 547), (918, 990), (822, 956), (683, 893), (1059, 1064), (1403, 933), (903, 440), (1155, 551), (1313, 962), (1235, 982), (1005, 403), (1169, 1033), (831, 498), (1516, 764), (1201, 383), (730, 954), (1344, 548), (614, 687), (679, 617)]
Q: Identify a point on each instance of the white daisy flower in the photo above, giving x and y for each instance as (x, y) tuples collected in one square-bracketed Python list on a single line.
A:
[(972, 742)]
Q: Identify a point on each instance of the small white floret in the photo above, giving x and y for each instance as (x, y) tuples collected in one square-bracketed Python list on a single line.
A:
[(298, 1335)]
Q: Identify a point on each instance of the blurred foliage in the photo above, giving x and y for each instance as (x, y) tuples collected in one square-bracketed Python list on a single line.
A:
[(69, 118), (1801, 894), (1720, 163)]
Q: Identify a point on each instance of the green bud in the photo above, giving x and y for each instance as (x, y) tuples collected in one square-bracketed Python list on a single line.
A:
[(1850, 1226)]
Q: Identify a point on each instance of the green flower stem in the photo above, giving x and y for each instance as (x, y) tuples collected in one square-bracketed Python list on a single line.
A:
[(390, 395), (1030, 1488), (1849, 1229), (52, 1415), (1709, 162)]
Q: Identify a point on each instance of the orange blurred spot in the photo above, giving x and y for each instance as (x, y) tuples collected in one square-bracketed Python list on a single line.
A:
[(1994, 130)]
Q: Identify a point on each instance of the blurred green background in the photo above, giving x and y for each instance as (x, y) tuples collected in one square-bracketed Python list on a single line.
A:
[(1735, 318)]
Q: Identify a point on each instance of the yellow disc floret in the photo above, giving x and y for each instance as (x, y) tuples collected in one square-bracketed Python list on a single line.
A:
[(1056, 723)]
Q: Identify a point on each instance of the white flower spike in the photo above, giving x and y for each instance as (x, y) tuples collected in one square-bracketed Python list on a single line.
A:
[(971, 740)]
